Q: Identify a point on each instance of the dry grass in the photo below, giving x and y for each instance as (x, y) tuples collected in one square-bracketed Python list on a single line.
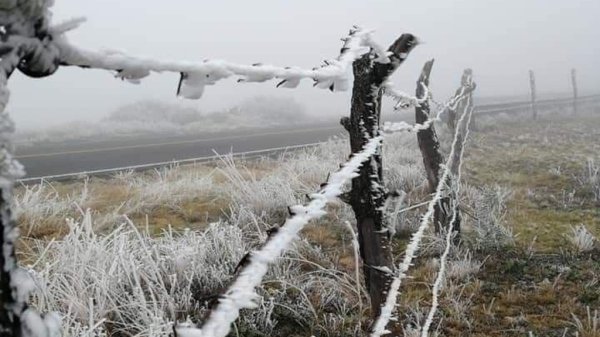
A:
[(524, 190), (541, 163)]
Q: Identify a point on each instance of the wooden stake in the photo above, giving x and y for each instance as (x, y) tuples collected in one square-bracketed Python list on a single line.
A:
[(574, 83), (533, 94)]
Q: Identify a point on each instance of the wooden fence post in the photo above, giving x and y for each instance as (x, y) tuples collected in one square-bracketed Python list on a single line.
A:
[(11, 305), (368, 194), (430, 149), (574, 83), (533, 94)]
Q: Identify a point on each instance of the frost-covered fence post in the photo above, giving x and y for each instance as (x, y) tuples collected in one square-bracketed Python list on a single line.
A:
[(464, 107), (533, 94), (11, 305), (368, 195), (574, 84), (26, 45), (430, 149)]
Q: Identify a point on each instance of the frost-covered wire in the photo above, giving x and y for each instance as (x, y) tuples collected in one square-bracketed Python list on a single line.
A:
[(195, 76), (48, 48), (453, 102), (404, 100), (401, 126), (437, 286), (241, 294), (379, 328)]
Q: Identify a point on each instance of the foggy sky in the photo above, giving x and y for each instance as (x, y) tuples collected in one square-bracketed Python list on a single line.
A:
[(500, 40)]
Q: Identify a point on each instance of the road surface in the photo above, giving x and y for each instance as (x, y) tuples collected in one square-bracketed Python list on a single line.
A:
[(58, 159), (83, 156)]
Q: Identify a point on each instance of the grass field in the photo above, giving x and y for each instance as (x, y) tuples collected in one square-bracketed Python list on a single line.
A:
[(531, 199)]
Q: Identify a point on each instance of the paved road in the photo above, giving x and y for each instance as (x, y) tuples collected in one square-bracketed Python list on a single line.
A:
[(80, 157), (75, 157)]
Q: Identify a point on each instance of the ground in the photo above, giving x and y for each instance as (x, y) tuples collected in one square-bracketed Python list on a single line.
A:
[(543, 175), (539, 284)]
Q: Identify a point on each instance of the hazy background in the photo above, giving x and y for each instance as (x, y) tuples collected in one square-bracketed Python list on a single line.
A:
[(500, 40)]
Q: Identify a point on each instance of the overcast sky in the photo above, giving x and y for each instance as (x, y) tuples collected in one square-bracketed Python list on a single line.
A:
[(501, 40)]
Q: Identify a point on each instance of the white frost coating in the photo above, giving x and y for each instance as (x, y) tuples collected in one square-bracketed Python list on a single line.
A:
[(437, 286), (21, 284), (356, 250), (241, 294), (383, 55), (334, 74), (379, 328), (22, 281), (390, 127), (10, 168), (34, 325), (404, 100)]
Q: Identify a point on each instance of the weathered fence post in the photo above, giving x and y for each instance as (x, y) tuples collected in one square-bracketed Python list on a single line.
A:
[(533, 94), (574, 84), (368, 195), (467, 88), (452, 111), (430, 148), (11, 305)]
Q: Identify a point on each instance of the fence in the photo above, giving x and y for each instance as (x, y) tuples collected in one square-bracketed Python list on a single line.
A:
[(38, 50)]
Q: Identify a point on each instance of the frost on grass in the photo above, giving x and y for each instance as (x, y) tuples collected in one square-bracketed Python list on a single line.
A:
[(242, 294), (295, 291), (488, 221), (132, 283), (141, 285), (589, 179), (581, 239)]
